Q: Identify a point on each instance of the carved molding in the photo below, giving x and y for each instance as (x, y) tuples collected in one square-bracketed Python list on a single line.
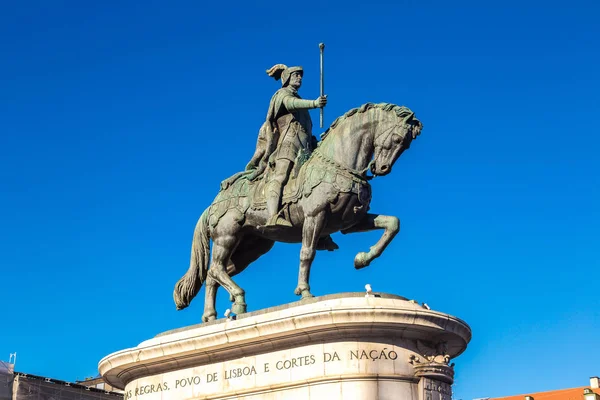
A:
[(436, 371)]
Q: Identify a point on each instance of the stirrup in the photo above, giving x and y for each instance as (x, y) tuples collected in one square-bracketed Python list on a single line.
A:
[(277, 220)]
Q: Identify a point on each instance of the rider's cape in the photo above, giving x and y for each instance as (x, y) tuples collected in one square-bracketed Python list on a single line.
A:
[(268, 137), (269, 131)]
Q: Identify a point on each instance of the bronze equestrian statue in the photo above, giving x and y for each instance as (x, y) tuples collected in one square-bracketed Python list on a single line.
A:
[(295, 191)]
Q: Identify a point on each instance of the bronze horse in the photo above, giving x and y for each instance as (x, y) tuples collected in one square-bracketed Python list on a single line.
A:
[(331, 193)]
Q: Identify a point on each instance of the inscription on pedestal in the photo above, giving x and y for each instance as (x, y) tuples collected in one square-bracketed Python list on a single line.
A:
[(275, 368)]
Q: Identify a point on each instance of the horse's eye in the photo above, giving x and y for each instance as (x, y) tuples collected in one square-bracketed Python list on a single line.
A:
[(397, 139)]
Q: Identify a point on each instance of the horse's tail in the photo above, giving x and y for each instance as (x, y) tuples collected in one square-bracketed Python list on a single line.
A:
[(189, 285)]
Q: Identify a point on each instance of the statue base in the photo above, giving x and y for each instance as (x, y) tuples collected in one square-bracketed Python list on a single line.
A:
[(343, 346)]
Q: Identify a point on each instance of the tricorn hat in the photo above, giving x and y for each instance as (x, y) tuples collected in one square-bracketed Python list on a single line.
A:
[(283, 72)]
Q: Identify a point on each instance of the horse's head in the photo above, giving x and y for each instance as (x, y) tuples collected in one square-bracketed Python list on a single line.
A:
[(396, 130), (371, 136)]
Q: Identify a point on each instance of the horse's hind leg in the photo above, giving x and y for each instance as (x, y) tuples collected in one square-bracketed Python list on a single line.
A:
[(210, 299), (247, 251), (223, 247), (370, 222)]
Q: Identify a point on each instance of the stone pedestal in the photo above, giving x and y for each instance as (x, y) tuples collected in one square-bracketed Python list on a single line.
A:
[(344, 346)]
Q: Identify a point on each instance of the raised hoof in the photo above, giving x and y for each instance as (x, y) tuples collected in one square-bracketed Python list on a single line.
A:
[(238, 308), (361, 260)]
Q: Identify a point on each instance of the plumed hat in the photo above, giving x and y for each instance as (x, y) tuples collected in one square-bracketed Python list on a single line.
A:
[(283, 72)]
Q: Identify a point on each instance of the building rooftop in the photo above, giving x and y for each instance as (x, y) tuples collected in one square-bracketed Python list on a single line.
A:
[(561, 394)]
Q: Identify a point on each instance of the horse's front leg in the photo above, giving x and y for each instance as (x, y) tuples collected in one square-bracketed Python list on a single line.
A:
[(371, 222), (311, 231)]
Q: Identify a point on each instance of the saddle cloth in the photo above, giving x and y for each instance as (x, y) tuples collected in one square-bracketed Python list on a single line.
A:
[(243, 194)]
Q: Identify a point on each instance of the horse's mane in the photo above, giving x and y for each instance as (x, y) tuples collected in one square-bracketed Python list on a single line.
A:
[(401, 111)]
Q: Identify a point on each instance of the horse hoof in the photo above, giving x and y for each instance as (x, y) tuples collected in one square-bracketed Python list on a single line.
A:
[(307, 295), (238, 308), (209, 317), (361, 260), (301, 289)]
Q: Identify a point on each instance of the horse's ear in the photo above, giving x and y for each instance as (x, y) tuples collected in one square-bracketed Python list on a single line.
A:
[(416, 127), (276, 70)]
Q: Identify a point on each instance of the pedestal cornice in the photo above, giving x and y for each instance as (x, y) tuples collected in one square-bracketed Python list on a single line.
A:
[(328, 319)]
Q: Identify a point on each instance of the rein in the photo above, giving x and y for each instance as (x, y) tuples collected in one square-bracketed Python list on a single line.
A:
[(359, 175)]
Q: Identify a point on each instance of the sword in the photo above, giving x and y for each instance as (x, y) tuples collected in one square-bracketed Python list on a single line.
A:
[(322, 48)]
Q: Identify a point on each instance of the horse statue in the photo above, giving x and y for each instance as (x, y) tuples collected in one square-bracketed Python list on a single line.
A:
[(330, 192)]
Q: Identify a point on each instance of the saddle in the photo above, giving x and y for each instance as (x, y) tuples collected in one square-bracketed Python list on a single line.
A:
[(292, 191), (241, 193)]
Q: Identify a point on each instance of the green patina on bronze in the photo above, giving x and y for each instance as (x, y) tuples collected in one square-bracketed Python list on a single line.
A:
[(293, 191)]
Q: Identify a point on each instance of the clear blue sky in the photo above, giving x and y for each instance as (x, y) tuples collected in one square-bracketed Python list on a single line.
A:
[(115, 115)]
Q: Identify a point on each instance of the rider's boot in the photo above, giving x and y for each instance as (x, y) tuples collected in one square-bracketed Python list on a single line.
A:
[(273, 198), (327, 243)]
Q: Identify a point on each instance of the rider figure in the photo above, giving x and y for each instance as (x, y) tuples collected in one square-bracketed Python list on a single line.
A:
[(284, 139), (288, 136)]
